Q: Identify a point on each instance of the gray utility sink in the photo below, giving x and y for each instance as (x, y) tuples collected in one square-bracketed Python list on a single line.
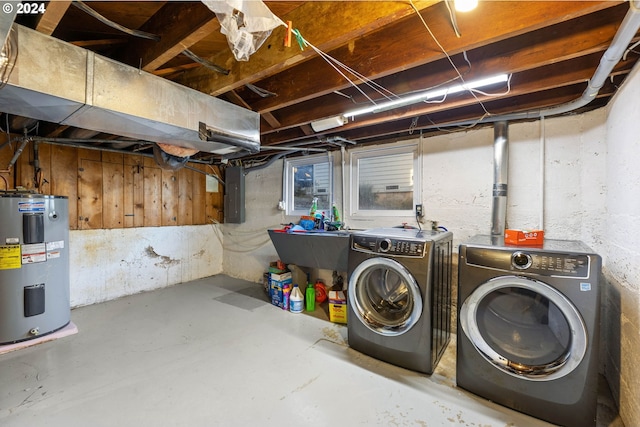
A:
[(328, 250)]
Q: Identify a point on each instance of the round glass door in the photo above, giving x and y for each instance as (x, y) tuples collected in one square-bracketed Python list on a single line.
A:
[(385, 296), (525, 328)]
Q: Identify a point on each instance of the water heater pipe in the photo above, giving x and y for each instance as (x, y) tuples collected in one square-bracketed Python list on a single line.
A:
[(500, 177)]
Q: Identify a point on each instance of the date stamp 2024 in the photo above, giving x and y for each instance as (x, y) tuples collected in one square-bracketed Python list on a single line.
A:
[(25, 8)]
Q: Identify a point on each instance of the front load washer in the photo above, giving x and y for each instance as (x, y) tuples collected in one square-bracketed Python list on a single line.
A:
[(528, 327), (399, 295)]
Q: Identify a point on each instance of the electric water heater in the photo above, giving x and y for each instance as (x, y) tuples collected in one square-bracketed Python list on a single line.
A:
[(34, 265)]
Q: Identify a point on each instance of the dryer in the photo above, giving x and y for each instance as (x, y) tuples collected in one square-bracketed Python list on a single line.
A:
[(528, 327), (399, 295)]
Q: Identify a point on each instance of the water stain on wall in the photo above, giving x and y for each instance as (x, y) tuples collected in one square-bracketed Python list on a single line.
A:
[(165, 261)]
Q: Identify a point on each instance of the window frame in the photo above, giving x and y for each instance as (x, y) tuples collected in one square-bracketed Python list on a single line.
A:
[(354, 185), (289, 181)]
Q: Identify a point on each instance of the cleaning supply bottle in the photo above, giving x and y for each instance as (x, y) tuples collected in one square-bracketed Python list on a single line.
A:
[(296, 300), (286, 296), (314, 207), (310, 296), (334, 213)]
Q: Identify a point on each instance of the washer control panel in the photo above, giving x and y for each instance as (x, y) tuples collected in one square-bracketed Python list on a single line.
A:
[(541, 263), (389, 246)]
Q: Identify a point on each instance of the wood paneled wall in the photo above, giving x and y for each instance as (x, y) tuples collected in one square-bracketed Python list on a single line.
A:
[(115, 190)]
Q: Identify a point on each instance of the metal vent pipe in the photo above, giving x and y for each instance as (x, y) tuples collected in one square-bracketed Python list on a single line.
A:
[(500, 177)]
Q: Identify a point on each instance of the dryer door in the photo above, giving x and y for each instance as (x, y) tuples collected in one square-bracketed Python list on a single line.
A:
[(384, 296), (525, 328)]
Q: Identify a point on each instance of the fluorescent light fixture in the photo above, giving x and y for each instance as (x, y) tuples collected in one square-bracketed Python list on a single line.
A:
[(328, 123), (465, 5), (425, 96)]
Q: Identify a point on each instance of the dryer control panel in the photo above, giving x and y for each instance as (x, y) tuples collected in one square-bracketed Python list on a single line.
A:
[(389, 246), (541, 263)]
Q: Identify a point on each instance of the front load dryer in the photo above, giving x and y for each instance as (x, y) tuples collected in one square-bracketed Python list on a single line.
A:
[(399, 295), (528, 327)]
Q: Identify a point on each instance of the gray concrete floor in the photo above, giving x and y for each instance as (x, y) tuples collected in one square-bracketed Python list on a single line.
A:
[(214, 352)]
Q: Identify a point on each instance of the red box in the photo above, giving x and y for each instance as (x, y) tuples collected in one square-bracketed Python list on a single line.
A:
[(524, 237)]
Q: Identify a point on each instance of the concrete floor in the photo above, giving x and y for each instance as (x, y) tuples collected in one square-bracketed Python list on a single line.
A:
[(214, 352)]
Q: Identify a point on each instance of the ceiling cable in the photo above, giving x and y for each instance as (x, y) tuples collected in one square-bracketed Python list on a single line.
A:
[(142, 34), (452, 17), (335, 64), (204, 62), (262, 93), (445, 53)]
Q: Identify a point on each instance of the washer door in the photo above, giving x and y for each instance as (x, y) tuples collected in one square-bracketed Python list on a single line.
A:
[(525, 328), (385, 296)]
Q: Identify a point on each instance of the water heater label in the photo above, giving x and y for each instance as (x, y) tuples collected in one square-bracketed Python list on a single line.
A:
[(34, 253), (10, 257), (31, 206), (51, 246)]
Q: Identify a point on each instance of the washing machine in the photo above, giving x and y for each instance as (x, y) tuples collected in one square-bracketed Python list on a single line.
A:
[(399, 295), (528, 327)]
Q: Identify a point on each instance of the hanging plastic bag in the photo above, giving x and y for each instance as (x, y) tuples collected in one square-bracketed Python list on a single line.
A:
[(246, 23)]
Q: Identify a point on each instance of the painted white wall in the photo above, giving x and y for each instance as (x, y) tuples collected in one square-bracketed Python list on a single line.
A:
[(457, 185), (247, 247), (108, 264), (622, 248)]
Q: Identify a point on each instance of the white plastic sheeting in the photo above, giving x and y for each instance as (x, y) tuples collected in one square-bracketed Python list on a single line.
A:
[(246, 23)]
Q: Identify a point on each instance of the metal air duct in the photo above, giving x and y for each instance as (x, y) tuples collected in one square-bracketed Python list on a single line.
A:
[(61, 83), (500, 177)]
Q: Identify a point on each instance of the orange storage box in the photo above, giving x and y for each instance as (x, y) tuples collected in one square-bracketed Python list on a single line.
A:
[(524, 237)]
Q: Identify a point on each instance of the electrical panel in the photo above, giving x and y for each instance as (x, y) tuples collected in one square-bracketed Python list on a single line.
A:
[(234, 195)]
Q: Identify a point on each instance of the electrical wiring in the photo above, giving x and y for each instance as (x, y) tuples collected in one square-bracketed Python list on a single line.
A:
[(506, 92), (80, 5), (202, 61), (336, 65), (469, 126), (215, 174), (445, 52), (454, 21)]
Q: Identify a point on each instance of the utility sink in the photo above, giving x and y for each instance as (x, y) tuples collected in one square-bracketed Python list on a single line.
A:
[(328, 250)]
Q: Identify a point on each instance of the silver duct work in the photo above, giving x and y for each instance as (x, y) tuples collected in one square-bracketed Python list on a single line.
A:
[(62, 83), (500, 177)]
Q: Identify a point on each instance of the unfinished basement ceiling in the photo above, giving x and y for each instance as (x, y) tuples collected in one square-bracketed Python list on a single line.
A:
[(549, 50)]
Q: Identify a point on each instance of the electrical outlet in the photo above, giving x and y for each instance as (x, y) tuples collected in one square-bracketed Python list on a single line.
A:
[(419, 211)]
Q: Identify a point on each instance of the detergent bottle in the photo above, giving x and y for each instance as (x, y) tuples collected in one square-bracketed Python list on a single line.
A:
[(296, 300)]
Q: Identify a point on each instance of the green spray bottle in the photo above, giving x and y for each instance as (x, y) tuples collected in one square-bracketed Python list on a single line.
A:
[(310, 295)]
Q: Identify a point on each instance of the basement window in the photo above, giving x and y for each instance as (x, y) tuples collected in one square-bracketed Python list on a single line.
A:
[(306, 178), (385, 181)]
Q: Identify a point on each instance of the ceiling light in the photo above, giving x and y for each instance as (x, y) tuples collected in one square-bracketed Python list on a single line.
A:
[(425, 96), (465, 5), (329, 123)]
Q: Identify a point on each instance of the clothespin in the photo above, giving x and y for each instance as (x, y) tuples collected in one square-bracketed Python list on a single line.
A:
[(301, 42), (287, 35)]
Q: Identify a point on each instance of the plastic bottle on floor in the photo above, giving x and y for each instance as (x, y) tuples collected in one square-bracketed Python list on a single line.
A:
[(310, 297), (286, 296), (296, 300)]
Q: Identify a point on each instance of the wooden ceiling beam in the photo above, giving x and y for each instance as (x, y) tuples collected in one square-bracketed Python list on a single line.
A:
[(525, 52), (319, 19), (413, 47), (555, 76), (180, 25), (52, 16)]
